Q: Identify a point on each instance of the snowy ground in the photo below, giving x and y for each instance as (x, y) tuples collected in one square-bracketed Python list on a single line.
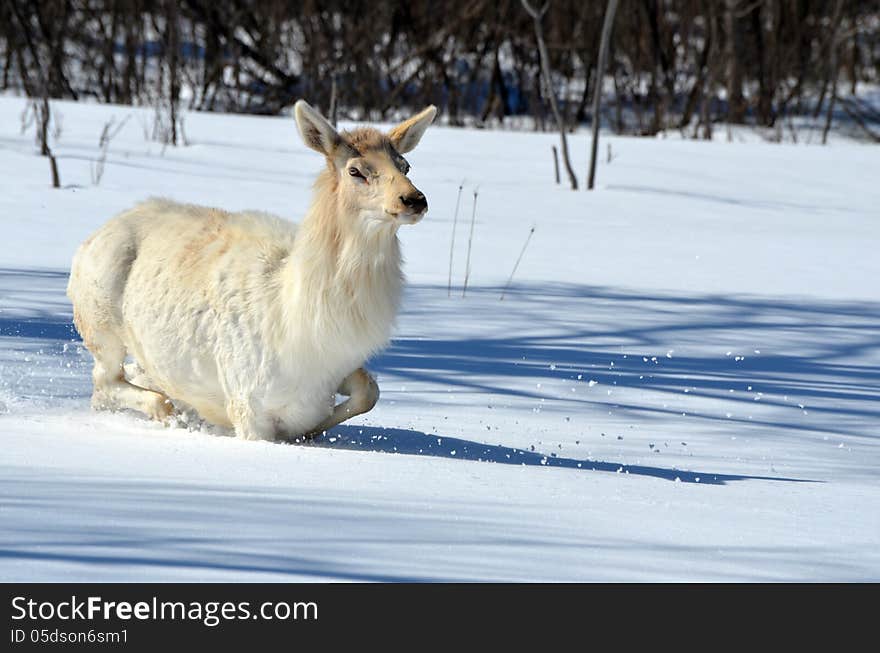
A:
[(683, 384)]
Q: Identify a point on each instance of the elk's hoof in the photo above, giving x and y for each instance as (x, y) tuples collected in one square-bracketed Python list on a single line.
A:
[(161, 409)]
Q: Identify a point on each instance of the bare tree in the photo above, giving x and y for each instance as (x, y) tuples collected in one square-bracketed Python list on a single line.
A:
[(834, 48), (733, 54), (607, 25), (538, 18), (742, 61), (37, 83), (167, 25), (332, 114), (44, 117)]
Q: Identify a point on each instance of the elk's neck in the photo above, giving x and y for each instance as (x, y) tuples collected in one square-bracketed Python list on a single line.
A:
[(342, 276)]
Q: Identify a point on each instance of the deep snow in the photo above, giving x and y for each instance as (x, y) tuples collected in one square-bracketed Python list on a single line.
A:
[(682, 383)]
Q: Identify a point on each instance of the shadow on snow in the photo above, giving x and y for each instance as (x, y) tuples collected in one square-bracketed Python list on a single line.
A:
[(417, 443), (824, 351)]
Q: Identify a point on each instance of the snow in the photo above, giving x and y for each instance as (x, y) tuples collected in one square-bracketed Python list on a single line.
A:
[(681, 384)]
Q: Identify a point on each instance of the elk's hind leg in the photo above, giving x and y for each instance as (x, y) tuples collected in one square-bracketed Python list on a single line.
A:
[(112, 391), (362, 392)]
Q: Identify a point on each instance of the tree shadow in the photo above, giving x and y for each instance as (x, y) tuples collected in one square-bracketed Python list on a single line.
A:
[(40, 329), (417, 443), (715, 198), (822, 353)]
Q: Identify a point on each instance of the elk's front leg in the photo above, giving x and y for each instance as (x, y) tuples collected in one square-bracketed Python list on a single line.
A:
[(362, 392)]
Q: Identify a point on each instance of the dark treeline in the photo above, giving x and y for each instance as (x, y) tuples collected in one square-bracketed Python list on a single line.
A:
[(672, 64)]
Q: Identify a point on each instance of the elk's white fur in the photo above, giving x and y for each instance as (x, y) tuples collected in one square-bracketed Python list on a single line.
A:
[(252, 321)]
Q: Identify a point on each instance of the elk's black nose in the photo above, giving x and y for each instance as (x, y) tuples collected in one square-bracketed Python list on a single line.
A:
[(415, 202)]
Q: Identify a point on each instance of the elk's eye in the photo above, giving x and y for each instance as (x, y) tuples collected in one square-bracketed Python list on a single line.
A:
[(354, 172)]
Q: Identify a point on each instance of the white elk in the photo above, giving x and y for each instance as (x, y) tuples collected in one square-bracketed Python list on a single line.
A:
[(252, 321)]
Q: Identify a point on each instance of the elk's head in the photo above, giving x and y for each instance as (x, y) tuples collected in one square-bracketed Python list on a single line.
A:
[(368, 166)]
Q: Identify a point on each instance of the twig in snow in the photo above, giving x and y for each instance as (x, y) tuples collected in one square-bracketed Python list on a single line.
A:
[(107, 135), (43, 114), (452, 244), (555, 163), (28, 116), (467, 267), (516, 265)]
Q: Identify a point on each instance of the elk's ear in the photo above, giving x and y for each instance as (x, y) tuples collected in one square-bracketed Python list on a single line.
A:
[(316, 132), (407, 134)]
